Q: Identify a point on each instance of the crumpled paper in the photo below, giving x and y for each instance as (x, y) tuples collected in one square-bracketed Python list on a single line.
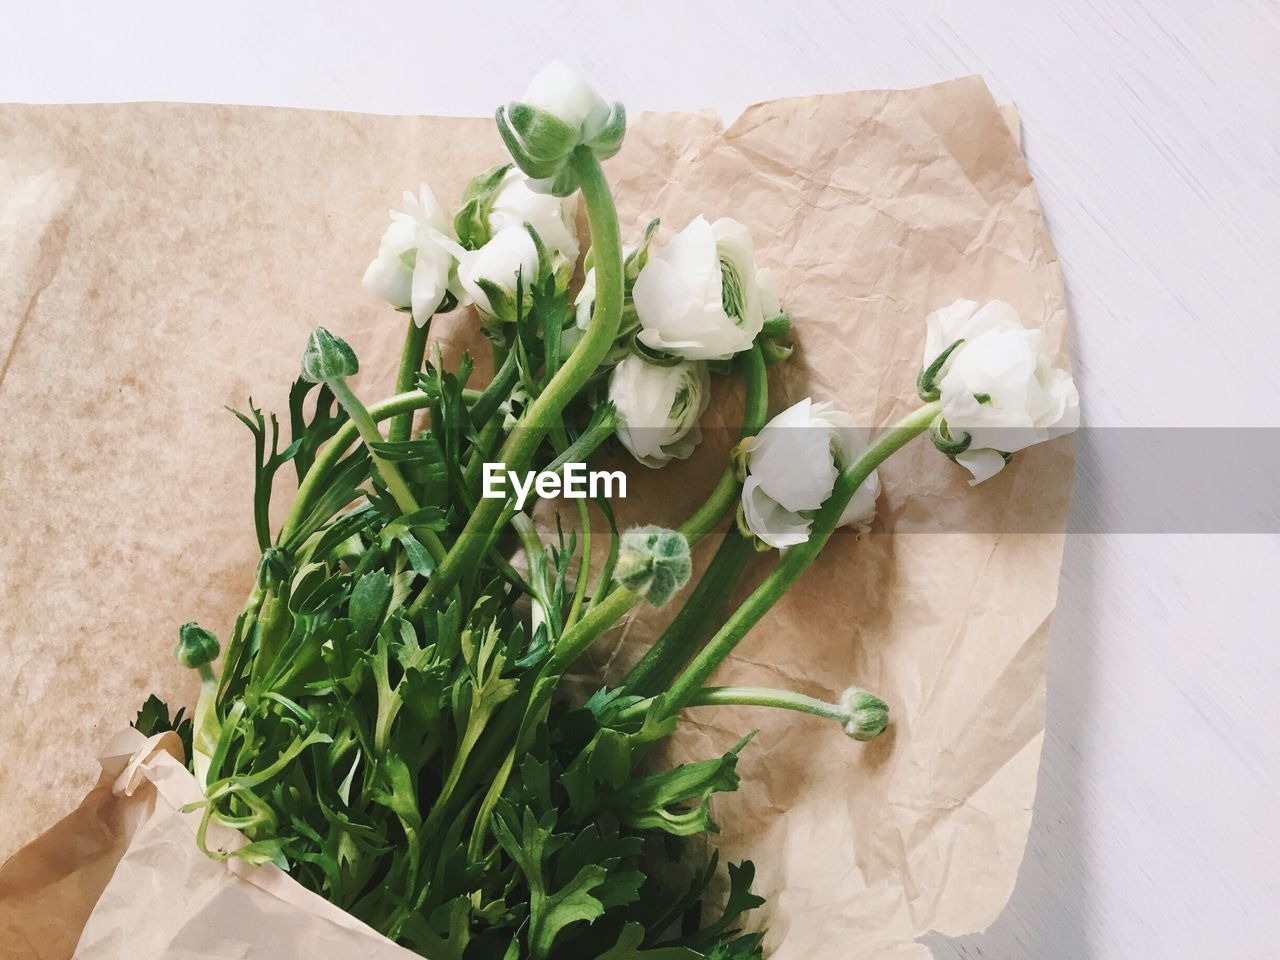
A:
[(163, 897), (163, 260)]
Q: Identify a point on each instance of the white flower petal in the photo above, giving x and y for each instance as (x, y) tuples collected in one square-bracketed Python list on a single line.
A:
[(415, 259), (791, 457), (679, 294), (861, 510), (389, 279), (659, 407), (998, 386), (430, 279), (560, 90), (554, 218), (508, 254), (983, 464), (769, 304), (585, 302), (771, 522)]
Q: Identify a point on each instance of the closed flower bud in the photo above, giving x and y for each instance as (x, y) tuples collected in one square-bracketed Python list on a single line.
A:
[(700, 297), (415, 268), (558, 112), (327, 357), (653, 562), (273, 567), (791, 469), (659, 407), (868, 715), (196, 647), (999, 392)]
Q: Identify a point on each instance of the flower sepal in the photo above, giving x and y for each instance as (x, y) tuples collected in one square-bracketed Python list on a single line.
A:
[(472, 220), (927, 381)]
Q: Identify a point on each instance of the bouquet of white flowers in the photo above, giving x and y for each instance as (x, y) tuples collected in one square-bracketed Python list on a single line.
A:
[(387, 720)]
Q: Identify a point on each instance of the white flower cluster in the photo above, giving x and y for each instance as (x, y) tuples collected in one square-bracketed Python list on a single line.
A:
[(700, 299)]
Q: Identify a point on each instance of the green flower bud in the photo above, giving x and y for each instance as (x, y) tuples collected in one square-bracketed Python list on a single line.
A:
[(472, 221), (196, 646), (868, 714), (558, 113), (273, 567), (653, 562), (327, 357)]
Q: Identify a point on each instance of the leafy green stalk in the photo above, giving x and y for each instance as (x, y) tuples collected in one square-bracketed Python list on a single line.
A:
[(371, 435), (545, 411), (328, 457)]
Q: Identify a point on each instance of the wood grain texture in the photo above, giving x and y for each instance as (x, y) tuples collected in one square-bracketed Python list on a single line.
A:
[(1154, 131)]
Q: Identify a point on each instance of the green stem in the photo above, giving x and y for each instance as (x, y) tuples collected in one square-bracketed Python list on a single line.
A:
[(580, 584), (796, 560), (609, 611), (415, 347), (544, 412), (336, 447), (341, 442), (370, 433), (701, 611), (499, 388), (746, 697)]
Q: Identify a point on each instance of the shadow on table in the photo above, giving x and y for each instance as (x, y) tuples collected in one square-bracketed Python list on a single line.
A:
[(1048, 916)]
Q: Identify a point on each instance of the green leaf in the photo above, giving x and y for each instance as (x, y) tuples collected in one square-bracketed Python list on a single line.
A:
[(528, 842), (657, 801), (308, 436), (266, 462), (153, 717), (369, 604), (628, 948)]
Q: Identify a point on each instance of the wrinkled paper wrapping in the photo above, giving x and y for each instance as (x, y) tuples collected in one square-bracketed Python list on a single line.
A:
[(160, 261)]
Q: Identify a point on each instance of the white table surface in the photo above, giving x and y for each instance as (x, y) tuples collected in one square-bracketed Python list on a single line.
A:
[(1153, 130)]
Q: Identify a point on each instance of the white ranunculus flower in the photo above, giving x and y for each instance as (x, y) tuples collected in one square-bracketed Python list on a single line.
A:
[(700, 296), (561, 91), (415, 267), (659, 407), (792, 466), (511, 252), (554, 218), (997, 386)]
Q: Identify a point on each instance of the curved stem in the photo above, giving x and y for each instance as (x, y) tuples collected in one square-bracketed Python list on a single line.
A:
[(544, 412), (747, 697), (370, 434), (415, 347), (336, 447), (796, 560)]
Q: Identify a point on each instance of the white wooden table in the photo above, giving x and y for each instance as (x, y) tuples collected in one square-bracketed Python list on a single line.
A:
[(1154, 132)]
